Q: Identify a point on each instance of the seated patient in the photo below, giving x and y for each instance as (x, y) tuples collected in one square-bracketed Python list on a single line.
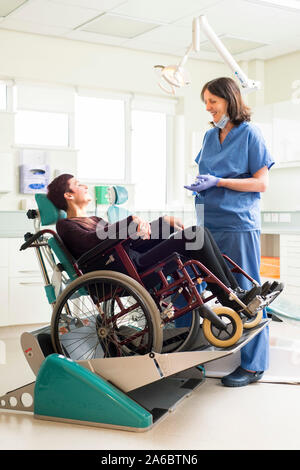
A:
[(81, 233)]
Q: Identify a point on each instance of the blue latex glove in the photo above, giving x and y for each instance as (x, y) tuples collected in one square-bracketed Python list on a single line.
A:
[(203, 182)]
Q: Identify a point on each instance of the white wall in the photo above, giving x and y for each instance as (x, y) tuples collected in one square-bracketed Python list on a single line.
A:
[(68, 62), (280, 75)]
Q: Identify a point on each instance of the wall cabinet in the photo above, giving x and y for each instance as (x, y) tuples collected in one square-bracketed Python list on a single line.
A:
[(23, 300), (280, 123), (290, 266), (4, 312)]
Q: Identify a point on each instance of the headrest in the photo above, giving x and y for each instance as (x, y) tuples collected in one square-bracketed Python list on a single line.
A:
[(121, 194), (49, 214)]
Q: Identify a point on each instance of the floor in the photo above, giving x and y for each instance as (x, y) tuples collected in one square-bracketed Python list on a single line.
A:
[(260, 416)]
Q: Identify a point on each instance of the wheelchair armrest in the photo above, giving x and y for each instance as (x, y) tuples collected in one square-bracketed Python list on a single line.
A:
[(100, 249), (30, 239)]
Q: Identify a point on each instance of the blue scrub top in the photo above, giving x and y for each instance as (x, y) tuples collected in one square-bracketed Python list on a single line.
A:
[(241, 155)]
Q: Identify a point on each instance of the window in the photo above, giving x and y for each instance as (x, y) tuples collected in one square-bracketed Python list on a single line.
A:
[(41, 128), (149, 147), (100, 138)]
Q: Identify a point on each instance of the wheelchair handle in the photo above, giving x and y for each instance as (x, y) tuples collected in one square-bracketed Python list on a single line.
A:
[(32, 238)]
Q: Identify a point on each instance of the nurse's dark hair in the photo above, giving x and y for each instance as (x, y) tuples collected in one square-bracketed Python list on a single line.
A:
[(56, 191), (227, 88)]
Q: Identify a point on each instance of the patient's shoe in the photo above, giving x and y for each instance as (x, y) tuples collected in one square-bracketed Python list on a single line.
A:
[(244, 295), (276, 287), (265, 288), (241, 377), (249, 295)]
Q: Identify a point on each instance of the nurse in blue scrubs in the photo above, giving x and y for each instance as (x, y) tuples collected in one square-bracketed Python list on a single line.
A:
[(233, 171)]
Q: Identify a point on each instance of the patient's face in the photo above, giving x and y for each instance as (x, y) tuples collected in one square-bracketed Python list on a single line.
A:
[(79, 192)]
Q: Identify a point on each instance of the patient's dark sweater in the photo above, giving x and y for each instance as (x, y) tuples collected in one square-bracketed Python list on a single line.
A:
[(81, 234)]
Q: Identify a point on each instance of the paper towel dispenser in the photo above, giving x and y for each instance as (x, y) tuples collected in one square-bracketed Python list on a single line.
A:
[(34, 179)]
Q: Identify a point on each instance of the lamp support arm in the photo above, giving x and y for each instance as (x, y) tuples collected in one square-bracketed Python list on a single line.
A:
[(238, 72)]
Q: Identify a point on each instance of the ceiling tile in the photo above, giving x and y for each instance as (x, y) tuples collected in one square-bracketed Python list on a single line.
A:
[(35, 28), (161, 10), (283, 4), (79, 35), (100, 5), (155, 48), (249, 21), (50, 13), (168, 35), (245, 20), (7, 6)]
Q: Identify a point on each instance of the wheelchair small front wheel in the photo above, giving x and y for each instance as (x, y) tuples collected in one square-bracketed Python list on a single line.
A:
[(223, 338), (105, 314), (254, 321)]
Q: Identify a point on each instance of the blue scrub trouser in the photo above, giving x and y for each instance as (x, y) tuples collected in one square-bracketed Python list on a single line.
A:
[(244, 249)]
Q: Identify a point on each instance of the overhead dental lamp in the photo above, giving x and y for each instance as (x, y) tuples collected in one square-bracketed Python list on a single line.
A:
[(175, 76)]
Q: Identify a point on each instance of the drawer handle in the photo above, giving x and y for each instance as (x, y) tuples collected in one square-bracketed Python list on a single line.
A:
[(32, 283), (28, 271)]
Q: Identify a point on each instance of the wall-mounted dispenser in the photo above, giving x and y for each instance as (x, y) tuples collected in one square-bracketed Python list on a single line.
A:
[(34, 180), (34, 172)]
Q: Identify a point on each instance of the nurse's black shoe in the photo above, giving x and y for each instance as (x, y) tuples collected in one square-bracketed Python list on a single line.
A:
[(241, 377)]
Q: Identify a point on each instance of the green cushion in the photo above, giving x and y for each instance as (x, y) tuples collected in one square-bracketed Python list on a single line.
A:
[(49, 214)]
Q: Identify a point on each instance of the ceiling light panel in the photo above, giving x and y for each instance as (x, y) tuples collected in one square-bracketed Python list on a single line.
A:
[(234, 45), (168, 34), (7, 6), (114, 25), (161, 10)]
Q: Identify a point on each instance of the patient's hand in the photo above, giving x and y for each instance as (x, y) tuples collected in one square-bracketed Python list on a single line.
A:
[(174, 222), (143, 228)]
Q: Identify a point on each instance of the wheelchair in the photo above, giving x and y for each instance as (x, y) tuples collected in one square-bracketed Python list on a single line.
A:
[(105, 313)]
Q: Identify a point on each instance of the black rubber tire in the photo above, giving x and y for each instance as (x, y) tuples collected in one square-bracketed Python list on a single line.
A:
[(134, 289)]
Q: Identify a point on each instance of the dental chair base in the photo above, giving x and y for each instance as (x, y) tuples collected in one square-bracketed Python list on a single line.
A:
[(128, 393)]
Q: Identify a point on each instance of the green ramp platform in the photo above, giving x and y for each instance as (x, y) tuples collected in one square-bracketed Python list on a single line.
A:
[(66, 391)]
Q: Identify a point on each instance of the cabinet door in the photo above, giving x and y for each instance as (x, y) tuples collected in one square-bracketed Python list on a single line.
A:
[(28, 302), (3, 252), (290, 265), (4, 317), (22, 263)]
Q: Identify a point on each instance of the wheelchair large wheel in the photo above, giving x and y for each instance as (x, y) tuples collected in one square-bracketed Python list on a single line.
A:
[(105, 314), (223, 338)]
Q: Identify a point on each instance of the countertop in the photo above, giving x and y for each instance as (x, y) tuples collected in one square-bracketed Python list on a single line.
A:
[(14, 224)]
